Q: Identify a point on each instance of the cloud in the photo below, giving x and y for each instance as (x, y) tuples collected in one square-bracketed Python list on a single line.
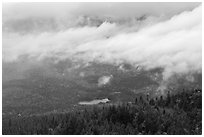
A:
[(119, 10), (173, 44), (104, 80), (32, 17)]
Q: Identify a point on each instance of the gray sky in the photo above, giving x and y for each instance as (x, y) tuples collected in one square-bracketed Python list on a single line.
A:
[(121, 10)]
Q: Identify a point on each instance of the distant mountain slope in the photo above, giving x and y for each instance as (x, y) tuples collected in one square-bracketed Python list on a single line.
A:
[(62, 85)]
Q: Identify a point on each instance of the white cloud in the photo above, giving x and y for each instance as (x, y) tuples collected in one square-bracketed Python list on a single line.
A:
[(104, 80), (174, 44)]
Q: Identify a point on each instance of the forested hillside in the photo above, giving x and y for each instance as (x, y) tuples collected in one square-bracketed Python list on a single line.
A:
[(171, 114)]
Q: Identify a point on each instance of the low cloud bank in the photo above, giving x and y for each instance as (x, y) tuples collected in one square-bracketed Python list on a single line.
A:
[(174, 44)]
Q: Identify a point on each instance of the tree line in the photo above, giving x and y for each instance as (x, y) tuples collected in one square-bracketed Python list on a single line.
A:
[(173, 114)]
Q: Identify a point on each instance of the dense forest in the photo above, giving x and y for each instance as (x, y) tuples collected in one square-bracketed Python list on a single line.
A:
[(171, 114)]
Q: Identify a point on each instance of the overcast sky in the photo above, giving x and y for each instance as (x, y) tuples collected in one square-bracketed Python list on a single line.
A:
[(12, 11)]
